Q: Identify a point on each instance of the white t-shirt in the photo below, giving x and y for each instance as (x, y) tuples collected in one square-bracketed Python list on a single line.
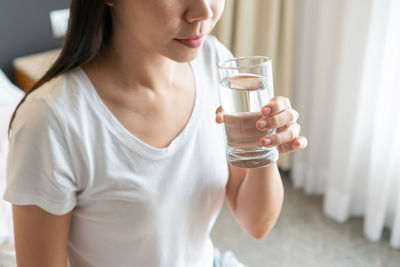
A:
[(133, 204)]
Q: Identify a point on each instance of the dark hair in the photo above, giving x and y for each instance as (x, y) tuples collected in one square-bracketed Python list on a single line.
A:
[(88, 34)]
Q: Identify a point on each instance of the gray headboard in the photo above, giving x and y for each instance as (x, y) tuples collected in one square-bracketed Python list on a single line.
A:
[(25, 29)]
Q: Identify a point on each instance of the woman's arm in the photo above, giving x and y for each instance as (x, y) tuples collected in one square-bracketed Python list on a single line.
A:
[(41, 238), (255, 197)]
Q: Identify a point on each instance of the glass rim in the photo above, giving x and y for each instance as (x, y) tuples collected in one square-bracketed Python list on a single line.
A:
[(221, 64)]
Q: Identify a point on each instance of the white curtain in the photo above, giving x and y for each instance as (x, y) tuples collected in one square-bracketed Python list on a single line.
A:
[(347, 89)]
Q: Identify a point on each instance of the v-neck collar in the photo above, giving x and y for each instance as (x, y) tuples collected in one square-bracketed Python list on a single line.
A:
[(129, 139)]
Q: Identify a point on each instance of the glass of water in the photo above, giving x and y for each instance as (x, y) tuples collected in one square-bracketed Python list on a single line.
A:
[(245, 86)]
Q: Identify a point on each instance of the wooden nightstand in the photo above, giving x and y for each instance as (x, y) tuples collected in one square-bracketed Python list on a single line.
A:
[(29, 69)]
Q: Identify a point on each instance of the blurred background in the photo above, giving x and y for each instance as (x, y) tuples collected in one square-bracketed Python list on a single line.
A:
[(339, 63)]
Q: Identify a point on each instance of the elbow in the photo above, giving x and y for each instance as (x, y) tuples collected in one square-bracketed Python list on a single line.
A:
[(260, 226), (259, 236), (260, 233), (261, 230)]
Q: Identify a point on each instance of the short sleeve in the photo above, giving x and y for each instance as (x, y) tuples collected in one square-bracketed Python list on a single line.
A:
[(39, 168)]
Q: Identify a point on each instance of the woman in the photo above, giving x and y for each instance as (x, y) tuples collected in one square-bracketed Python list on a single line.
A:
[(118, 160)]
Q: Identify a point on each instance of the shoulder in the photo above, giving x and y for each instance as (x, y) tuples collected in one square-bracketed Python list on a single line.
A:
[(34, 119), (49, 107)]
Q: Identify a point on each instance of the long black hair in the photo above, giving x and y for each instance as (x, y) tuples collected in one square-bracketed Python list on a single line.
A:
[(89, 32)]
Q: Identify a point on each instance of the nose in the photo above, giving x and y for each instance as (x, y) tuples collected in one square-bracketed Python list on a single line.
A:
[(198, 10)]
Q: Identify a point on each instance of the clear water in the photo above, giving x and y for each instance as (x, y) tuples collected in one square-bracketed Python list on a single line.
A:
[(242, 97)]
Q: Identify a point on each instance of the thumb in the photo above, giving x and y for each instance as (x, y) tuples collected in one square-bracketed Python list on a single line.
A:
[(219, 116)]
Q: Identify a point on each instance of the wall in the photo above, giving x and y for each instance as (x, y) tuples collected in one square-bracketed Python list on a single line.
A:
[(25, 29)]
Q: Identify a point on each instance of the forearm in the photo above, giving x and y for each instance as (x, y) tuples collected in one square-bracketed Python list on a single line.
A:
[(259, 200)]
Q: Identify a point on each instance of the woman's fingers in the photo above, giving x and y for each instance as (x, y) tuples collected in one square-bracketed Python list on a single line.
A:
[(218, 110), (285, 117), (297, 143), (219, 117), (279, 115), (276, 105), (282, 136)]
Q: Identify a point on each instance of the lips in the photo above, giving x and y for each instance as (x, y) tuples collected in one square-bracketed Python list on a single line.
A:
[(193, 42)]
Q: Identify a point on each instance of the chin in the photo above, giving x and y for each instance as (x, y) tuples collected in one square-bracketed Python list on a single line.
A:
[(185, 59), (185, 55)]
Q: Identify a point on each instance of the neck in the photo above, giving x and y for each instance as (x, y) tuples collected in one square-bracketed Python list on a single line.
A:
[(132, 67)]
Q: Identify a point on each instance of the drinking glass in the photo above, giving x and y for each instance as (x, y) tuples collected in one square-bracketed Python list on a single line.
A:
[(245, 86)]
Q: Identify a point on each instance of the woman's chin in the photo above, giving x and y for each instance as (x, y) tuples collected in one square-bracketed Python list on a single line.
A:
[(186, 57)]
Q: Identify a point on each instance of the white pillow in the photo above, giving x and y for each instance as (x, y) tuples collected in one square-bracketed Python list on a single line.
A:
[(10, 95)]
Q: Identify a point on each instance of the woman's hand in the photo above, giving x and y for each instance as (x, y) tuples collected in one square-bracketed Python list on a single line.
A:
[(279, 115)]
